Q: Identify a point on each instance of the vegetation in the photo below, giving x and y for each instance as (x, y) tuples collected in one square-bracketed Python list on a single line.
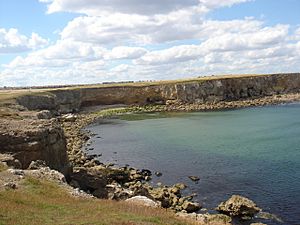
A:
[(43, 202), (2, 167), (129, 110)]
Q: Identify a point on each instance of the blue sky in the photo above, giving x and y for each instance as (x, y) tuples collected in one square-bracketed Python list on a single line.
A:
[(45, 42)]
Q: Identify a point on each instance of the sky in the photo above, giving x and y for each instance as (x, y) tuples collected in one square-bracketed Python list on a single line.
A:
[(57, 42)]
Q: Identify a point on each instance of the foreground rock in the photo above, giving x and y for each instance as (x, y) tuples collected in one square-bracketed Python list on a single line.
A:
[(142, 200), (207, 219), (239, 206)]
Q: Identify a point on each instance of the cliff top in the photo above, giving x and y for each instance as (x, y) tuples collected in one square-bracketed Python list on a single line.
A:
[(4, 92)]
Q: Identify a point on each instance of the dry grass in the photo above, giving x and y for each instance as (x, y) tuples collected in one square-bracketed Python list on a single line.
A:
[(42, 202), (3, 167)]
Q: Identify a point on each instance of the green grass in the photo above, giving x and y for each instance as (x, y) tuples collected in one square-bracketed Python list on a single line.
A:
[(128, 112), (43, 202)]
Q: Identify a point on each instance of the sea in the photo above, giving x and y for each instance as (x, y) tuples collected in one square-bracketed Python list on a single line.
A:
[(253, 152)]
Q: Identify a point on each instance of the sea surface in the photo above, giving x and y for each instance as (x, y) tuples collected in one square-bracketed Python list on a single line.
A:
[(254, 152)]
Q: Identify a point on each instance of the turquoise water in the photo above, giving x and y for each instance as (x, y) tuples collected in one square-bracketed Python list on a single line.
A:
[(254, 152)]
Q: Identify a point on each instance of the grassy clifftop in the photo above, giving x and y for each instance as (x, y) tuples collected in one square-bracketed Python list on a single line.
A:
[(43, 202)]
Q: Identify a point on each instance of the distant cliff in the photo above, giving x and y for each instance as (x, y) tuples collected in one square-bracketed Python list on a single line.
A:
[(202, 90)]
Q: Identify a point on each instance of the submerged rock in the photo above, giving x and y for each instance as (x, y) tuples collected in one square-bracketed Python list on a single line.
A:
[(194, 178), (240, 206), (258, 224), (158, 174), (269, 216)]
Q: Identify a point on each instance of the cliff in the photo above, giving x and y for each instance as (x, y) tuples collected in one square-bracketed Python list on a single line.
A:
[(30, 140), (201, 90)]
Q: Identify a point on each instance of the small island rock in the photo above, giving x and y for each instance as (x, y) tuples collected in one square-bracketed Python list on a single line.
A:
[(240, 206)]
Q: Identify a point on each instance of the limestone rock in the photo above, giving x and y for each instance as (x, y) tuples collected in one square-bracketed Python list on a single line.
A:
[(29, 140), (207, 219), (44, 114), (10, 161), (69, 117), (47, 173), (142, 200), (90, 180), (191, 206), (34, 165), (10, 185), (240, 206)]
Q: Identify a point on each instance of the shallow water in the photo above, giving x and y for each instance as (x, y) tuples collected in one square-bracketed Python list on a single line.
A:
[(254, 152)]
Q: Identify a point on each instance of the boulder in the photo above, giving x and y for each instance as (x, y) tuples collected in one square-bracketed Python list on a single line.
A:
[(44, 114), (158, 174), (142, 200), (90, 180), (240, 206), (46, 173), (190, 207), (34, 165), (214, 219), (10, 161), (206, 219), (69, 117)]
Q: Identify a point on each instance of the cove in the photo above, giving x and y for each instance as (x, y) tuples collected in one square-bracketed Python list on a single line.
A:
[(254, 152)]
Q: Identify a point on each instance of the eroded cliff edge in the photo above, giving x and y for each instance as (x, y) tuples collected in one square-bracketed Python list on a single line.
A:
[(201, 90)]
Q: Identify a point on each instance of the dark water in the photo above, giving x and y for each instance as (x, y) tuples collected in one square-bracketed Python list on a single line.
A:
[(254, 152)]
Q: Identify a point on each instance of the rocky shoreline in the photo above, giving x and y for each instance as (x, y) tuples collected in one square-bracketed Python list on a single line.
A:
[(125, 183), (30, 135)]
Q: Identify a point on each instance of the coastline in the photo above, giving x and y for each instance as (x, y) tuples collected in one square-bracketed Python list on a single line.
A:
[(74, 125), (89, 174), (76, 136)]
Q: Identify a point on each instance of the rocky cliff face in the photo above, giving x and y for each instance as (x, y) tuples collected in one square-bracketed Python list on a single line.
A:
[(30, 140), (199, 91)]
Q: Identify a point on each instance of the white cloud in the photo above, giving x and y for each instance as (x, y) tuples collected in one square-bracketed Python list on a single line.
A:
[(147, 40), (172, 55), (123, 29), (11, 41), (120, 68), (144, 7), (241, 41), (124, 52)]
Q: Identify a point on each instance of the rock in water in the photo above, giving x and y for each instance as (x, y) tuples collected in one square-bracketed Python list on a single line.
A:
[(258, 224), (269, 216), (194, 178), (158, 174), (191, 206), (240, 206)]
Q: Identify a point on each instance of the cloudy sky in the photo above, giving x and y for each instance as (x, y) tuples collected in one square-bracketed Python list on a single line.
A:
[(44, 42)]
